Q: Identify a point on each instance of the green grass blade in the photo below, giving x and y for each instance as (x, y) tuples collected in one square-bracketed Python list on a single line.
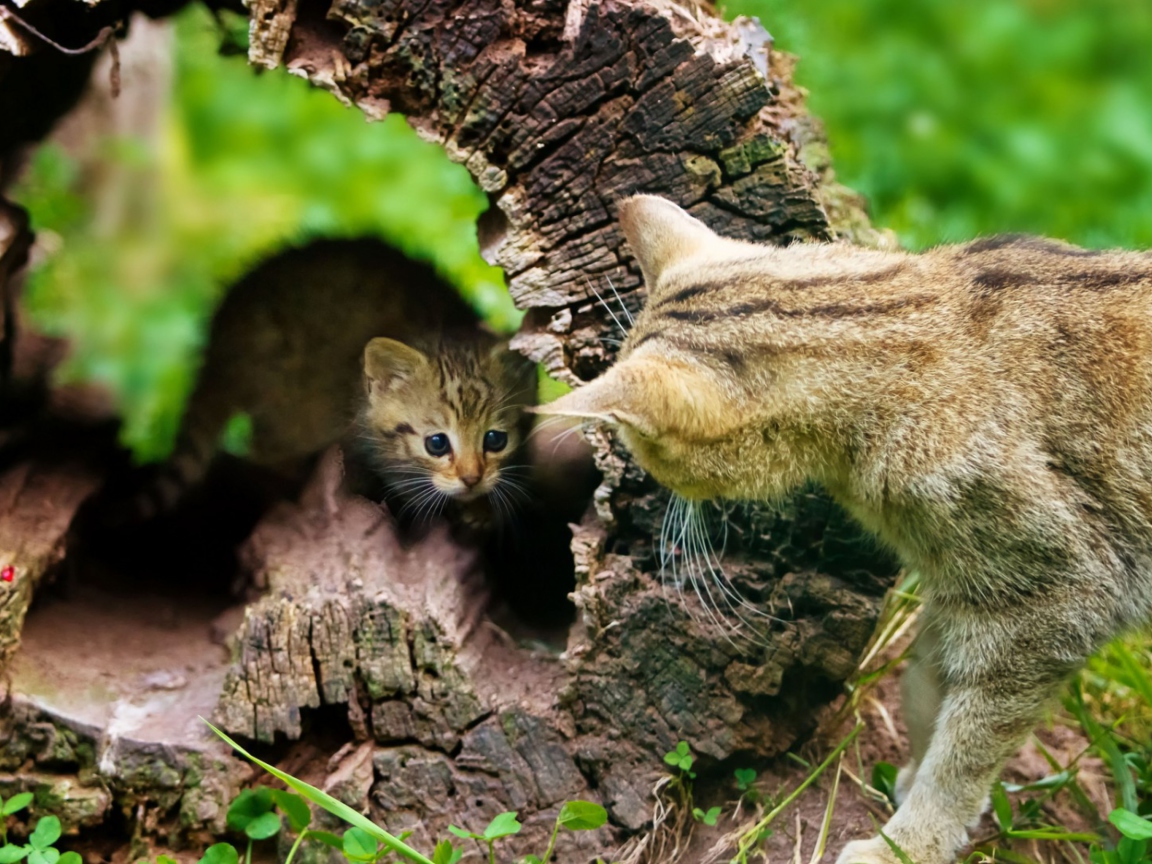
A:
[(900, 854), (323, 799), (1105, 740)]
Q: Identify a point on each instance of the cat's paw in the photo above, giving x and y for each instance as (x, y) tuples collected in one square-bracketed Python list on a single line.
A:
[(874, 851)]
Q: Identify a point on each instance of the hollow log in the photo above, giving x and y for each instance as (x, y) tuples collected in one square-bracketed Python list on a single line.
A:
[(558, 110)]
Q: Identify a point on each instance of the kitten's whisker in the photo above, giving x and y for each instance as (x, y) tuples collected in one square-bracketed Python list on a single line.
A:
[(549, 422), (509, 487)]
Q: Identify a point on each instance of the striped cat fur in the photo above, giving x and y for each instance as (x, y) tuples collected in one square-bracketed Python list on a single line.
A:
[(984, 409)]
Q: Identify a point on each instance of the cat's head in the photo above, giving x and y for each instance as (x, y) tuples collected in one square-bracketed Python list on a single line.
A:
[(679, 410), (447, 422)]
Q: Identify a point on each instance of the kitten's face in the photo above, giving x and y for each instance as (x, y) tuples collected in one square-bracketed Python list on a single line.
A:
[(448, 424)]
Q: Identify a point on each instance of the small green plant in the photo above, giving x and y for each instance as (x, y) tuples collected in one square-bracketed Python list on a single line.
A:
[(708, 817), (13, 805), (1135, 840), (751, 838), (364, 842), (884, 780), (745, 777), (681, 759), (41, 845), (253, 814)]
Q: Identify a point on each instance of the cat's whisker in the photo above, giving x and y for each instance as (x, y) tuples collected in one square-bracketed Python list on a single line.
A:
[(423, 503), (686, 550), (607, 308), (679, 515), (732, 598), (691, 558), (667, 559), (620, 300), (502, 503), (560, 439), (513, 489)]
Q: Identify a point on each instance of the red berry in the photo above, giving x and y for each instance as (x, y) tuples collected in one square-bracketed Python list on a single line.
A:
[(8, 573)]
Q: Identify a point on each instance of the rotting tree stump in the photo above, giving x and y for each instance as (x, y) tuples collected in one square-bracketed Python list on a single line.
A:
[(558, 110)]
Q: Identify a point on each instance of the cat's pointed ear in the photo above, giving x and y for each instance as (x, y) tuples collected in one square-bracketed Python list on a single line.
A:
[(388, 363), (660, 233), (658, 399)]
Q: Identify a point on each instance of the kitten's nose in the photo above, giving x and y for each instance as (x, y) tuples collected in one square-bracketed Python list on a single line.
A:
[(470, 479)]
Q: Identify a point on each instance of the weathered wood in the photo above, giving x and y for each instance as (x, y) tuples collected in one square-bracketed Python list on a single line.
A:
[(459, 726)]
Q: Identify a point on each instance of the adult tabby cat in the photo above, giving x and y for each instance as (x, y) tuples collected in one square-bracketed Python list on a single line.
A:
[(984, 409)]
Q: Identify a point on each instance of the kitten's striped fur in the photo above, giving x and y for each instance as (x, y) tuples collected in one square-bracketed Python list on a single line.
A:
[(984, 409)]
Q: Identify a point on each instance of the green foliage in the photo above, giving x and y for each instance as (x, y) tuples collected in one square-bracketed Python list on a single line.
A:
[(220, 853), (244, 165), (13, 805), (582, 816), (959, 119), (1134, 843)]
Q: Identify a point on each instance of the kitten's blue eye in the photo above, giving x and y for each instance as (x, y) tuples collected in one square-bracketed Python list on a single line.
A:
[(437, 445), (495, 440)]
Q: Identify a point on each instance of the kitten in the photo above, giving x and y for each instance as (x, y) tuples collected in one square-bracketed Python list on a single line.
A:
[(447, 425), (312, 333), (984, 409)]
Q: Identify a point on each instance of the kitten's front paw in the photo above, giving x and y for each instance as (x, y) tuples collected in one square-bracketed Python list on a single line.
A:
[(874, 851)]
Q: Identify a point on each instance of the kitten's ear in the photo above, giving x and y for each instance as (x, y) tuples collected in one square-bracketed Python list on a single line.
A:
[(388, 363), (660, 233), (517, 373), (657, 399)]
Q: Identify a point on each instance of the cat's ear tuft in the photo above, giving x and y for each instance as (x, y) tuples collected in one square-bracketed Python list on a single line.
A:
[(657, 399), (660, 233), (388, 363)]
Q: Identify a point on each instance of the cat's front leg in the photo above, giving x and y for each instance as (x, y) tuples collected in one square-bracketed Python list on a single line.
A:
[(922, 691), (1000, 669)]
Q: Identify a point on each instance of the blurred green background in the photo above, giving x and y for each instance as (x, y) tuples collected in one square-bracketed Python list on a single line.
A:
[(954, 119), (963, 118)]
